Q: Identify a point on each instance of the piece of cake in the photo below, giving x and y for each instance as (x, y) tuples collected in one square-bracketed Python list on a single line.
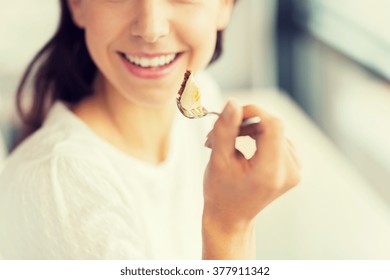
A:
[(189, 95)]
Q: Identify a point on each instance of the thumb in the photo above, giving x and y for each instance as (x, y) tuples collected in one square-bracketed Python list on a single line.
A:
[(222, 139)]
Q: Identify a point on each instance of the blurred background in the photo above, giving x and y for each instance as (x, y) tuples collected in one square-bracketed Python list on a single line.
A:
[(327, 65)]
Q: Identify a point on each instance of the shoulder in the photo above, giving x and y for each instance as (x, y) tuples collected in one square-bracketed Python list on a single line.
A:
[(57, 159), (55, 195), (62, 136)]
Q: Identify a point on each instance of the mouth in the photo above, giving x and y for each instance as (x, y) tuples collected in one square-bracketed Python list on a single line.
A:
[(150, 61)]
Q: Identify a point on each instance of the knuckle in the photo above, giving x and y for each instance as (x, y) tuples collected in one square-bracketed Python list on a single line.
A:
[(279, 182), (277, 125), (296, 180)]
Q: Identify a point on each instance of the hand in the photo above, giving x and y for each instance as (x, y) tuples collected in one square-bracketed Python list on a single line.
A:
[(236, 189)]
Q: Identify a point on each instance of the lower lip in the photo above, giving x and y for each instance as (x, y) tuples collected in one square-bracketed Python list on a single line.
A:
[(150, 72)]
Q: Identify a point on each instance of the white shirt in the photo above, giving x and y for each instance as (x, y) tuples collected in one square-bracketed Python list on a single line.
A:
[(65, 193)]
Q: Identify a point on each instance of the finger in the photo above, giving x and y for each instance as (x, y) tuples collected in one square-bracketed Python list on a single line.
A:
[(250, 130), (239, 155), (251, 111), (294, 176), (294, 153), (222, 139), (268, 134)]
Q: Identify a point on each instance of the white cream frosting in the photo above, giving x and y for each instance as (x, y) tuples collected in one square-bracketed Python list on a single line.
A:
[(191, 97)]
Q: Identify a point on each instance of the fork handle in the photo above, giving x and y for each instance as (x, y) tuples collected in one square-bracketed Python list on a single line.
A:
[(213, 113), (250, 121), (245, 122)]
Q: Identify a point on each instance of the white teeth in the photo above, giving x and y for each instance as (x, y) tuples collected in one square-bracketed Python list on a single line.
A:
[(151, 62), (161, 60), (144, 62), (155, 62)]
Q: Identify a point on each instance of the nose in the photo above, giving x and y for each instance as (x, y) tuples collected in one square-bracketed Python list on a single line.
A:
[(151, 22)]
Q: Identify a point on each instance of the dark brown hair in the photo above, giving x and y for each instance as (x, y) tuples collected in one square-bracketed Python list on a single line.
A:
[(61, 70)]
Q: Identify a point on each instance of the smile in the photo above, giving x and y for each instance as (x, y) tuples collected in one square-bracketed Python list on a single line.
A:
[(149, 62)]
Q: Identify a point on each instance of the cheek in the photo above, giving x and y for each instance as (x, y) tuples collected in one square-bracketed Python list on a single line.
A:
[(102, 21), (98, 39), (95, 46), (206, 48), (202, 41)]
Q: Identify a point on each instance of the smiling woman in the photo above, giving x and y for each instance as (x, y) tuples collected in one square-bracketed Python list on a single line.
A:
[(110, 169), (68, 49)]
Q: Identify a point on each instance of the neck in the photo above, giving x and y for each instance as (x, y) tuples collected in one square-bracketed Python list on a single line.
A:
[(139, 131)]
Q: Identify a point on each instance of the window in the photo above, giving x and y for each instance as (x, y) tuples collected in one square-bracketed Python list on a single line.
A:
[(357, 28)]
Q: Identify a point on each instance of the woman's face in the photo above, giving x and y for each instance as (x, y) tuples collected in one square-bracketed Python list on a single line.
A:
[(143, 47)]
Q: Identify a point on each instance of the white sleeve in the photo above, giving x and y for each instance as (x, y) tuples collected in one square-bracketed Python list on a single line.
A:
[(67, 208)]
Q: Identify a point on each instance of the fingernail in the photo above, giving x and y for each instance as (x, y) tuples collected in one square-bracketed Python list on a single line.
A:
[(227, 112)]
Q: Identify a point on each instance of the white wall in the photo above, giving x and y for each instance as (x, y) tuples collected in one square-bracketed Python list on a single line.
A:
[(248, 58), (358, 28), (349, 102), (25, 26)]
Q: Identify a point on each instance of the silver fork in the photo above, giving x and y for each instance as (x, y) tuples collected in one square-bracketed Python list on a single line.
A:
[(202, 112)]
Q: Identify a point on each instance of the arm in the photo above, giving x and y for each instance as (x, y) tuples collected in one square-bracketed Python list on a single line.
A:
[(236, 189)]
